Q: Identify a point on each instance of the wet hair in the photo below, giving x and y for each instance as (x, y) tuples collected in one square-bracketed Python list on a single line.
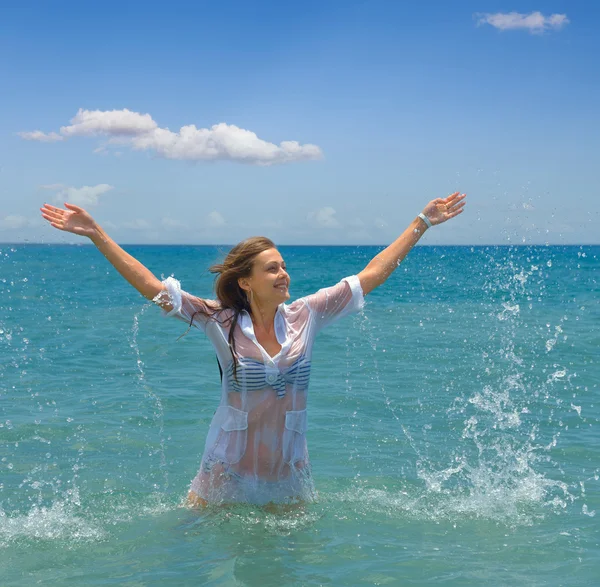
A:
[(237, 264)]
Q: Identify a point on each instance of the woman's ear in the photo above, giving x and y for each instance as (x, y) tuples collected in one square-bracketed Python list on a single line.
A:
[(243, 283)]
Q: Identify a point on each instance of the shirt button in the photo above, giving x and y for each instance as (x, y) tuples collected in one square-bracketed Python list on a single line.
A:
[(272, 378)]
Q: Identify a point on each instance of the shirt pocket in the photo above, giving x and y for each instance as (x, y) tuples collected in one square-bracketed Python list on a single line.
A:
[(294, 436), (228, 434)]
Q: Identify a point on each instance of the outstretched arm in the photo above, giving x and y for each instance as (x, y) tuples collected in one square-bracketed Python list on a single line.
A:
[(76, 220), (383, 264)]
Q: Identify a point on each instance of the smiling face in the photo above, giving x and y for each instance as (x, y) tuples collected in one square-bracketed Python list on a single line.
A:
[(269, 281)]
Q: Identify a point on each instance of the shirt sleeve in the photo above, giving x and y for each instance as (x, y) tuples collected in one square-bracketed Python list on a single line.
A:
[(332, 303), (185, 306)]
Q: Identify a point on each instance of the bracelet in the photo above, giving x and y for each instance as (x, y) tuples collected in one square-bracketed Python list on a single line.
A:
[(425, 220)]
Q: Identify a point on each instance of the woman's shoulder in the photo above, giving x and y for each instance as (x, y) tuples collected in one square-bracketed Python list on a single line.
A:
[(295, 310), (221, 314), (297, 304)]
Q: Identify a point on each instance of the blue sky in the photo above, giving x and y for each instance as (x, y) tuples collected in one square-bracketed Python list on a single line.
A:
[(388, 106)]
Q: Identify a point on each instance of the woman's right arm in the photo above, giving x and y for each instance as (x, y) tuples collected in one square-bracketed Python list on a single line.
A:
[(76, 220)]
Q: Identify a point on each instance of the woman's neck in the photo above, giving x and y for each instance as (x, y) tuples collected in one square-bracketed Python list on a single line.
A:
[(263, 317)]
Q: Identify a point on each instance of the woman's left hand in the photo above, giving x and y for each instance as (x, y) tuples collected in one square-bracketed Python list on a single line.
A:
[(442, 209)]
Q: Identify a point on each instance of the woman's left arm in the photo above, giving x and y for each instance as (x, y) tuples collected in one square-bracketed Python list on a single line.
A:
[(383, 264)]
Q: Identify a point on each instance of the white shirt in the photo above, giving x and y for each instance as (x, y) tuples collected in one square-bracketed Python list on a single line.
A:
[(256, 445)]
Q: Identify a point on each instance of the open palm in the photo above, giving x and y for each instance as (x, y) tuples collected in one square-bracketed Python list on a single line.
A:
[(442, 209), (74, 219)]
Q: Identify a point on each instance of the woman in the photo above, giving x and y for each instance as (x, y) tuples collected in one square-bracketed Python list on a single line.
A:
[(256, 446)]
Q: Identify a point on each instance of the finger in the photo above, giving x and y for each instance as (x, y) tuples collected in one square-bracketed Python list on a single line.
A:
[(55, 223), (53, 210), (452, 197), (455, 202), (51, 207), (52, 220), (456, 206), (52, 216), (73, 207), (55, 214), (453, 214)]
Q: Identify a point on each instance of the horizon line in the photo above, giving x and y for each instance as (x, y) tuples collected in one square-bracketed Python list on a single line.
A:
[(86, 244)]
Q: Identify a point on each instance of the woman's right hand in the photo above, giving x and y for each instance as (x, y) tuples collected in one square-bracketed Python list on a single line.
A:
[(74, 219)]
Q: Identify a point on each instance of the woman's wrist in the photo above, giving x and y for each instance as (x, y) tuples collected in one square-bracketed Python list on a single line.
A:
[(425, 220), (97, 235)]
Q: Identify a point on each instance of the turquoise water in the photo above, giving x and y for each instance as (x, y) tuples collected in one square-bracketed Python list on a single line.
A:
[(454, 426)]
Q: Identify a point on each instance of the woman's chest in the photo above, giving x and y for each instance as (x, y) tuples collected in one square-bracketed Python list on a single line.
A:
[(268, 342), (251, 374)]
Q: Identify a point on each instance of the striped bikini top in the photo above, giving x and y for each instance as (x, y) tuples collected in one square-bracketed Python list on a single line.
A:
[(253, 375)]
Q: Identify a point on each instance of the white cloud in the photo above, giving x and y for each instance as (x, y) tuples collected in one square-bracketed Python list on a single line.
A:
[(137, 224), (14, 222), (38, 135), (535, 22), (83, 196), (215, 219), (325, 217), (220, 142), (172, 224), (355, 223), (115, 123)]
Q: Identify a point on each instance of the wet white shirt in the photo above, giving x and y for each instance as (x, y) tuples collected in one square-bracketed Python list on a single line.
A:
[(256, 446)]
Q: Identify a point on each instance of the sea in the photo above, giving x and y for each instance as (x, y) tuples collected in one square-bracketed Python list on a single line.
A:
[(454, 425)]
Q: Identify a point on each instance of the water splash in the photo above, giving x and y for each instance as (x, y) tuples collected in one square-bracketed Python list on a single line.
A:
[(492, 456), (62, 520), (159, 413), (73, 520)]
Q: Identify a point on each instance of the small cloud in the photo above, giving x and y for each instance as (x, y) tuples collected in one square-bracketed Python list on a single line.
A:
[(215, 219), (172, 224), (528, 206), (124, 123), (83, 196), (141, 133), (356, 223), (137, 224), (325, 217), (38, 135), (14, 222), (535, 22)]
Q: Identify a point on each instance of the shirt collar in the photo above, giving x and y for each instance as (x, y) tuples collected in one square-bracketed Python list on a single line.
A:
[(280, 330)]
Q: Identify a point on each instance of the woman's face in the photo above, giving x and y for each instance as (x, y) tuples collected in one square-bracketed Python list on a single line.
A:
[(269, 280)]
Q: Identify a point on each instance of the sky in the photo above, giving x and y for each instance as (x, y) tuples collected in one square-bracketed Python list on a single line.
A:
[(322, 122)]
